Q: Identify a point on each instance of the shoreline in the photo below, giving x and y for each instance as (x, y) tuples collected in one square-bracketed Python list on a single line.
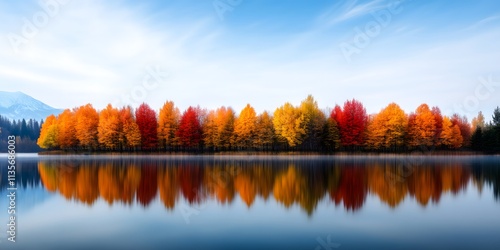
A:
[(290, 153)]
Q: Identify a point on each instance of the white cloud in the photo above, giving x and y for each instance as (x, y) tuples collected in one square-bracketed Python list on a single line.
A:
[(94, 52)]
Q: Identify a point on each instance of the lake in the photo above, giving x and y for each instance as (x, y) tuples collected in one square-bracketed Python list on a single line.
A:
[(254, 202)]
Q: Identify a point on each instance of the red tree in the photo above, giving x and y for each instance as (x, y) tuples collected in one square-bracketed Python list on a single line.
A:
[(191, 181), (352, 122), (189, 131), (352, 189), (148, 185), (148, 125), (337, 114)]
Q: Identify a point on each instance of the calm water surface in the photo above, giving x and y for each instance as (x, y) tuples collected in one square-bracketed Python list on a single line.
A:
[(254, 202)]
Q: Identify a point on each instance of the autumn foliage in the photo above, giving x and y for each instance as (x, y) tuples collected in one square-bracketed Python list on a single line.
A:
[(304, 127), (168, 123), (148, 126), (245, 128), (352, 121), (87, 121), (387, 128), (189, 132), (421, 127)]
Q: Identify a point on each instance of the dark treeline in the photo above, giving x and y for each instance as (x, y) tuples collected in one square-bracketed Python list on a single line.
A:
[(26, 176), (26, 132), (304, 128)]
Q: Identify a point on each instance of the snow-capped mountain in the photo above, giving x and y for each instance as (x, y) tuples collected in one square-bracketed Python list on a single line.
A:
[(17, 105)]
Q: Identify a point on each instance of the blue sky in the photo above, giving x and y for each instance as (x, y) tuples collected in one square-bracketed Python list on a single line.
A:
[(444, 53)]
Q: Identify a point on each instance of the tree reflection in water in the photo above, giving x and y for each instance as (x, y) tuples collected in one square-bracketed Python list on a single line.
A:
[(290, 182)]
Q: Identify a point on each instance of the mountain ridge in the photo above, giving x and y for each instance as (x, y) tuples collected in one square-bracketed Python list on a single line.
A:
[(18, 105)]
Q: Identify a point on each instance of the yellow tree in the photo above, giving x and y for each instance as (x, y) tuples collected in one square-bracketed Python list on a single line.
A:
[(109, 128), (478, 121), (389, 192), (168, 123), (49, 133), (314, 126), (168, 186), (451, 136), (290, 124), (245, 128), (210, 130), (131, 135), (289, 187), (387, 129), (67, 133), (421, 127), (264, 131)]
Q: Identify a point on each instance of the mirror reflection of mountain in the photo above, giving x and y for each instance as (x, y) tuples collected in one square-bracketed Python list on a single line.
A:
[(304, 182)]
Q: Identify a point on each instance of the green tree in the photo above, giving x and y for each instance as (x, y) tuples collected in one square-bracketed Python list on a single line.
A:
[(496, 117), (477, 139)]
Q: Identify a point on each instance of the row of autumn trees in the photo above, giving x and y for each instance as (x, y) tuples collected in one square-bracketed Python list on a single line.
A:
[(304, 127)]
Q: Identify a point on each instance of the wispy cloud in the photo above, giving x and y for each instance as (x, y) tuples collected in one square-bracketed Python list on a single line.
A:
[(95, 51), (481, 23), (345, 11)]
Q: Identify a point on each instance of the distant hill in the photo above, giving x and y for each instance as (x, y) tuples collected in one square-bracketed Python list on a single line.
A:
[(17, 105)]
